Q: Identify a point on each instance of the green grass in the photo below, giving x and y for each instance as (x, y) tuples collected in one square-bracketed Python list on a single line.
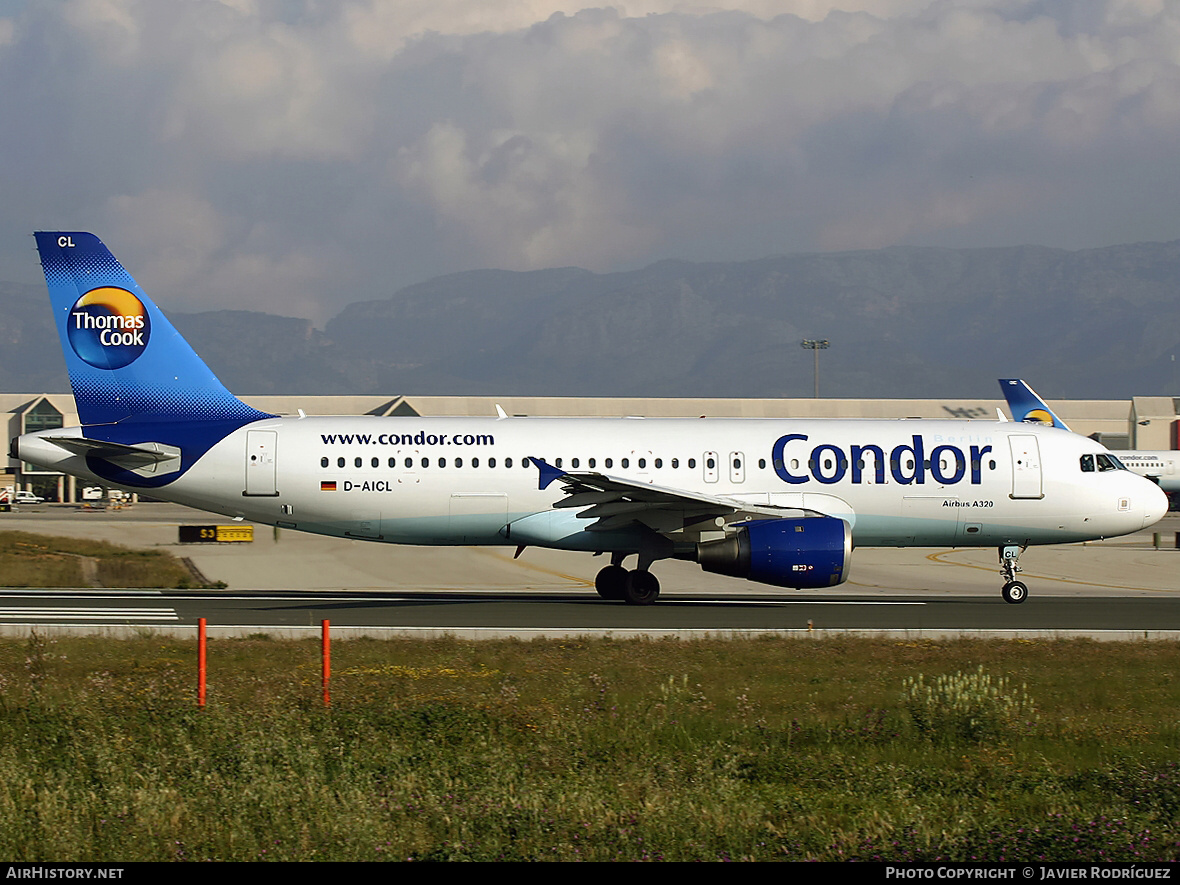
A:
[(28, 560), (788, 749)]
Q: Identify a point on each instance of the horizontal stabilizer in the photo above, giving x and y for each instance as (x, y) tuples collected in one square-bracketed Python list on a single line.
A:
[(149, 458)]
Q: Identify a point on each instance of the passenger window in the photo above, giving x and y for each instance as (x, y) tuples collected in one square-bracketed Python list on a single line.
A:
[(458, 462), (592, 462), (626, 463), (491, 462), (692, 463), (376, 462), (339, 462), (507, 462), (323, 462), (357, 462), (610, 462), (574, 462)]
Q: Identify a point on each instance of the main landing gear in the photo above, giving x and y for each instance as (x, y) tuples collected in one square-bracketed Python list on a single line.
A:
[(634, 587), (1013, 591)]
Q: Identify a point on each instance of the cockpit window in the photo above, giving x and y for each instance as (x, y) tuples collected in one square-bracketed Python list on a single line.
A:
[(1101, 463)]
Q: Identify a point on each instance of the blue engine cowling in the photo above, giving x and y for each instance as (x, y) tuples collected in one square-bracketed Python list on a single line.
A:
[(803, 553)]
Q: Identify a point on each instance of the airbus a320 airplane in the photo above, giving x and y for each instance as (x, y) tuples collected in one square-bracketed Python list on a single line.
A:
[(780, 502)]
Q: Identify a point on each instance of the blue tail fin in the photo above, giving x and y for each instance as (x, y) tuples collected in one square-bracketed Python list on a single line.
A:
[(127, 363), (1026, 405)]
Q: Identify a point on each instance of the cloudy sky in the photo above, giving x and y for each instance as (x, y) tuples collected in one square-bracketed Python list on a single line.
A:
[(297, 155)]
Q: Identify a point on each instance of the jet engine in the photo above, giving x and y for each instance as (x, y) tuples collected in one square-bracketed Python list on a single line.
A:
[(802, 553)]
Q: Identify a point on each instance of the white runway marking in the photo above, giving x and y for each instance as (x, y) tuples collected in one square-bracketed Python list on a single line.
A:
[(754, 602), (90, 614)]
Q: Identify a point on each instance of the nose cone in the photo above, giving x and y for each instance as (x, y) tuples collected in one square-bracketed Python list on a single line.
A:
[(1155, 505)]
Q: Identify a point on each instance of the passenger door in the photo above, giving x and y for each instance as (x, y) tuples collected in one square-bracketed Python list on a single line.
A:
[(260, 463), (1026, 466)]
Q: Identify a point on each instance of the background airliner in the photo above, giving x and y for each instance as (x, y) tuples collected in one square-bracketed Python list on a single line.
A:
[(1160, 466), (778, 502)]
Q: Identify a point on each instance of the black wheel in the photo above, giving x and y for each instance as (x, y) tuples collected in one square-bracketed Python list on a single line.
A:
[(643, 588), (611, 582), (1014, 592)]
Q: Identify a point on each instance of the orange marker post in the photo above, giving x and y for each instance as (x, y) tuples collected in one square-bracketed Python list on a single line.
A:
[(326, 657), (200, 662)]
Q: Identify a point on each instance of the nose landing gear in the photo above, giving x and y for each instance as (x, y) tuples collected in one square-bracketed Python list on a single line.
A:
[(1013, 591)]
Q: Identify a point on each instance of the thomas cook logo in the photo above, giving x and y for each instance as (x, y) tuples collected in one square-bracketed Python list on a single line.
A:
[(1039, 416), (108, 327)]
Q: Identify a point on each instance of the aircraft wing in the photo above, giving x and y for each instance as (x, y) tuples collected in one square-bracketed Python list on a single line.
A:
[(614, 503)]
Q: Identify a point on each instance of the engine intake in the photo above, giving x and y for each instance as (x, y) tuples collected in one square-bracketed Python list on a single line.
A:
[(801, 553)]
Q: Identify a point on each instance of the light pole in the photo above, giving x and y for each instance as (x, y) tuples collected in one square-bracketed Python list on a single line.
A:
[(815, 345)]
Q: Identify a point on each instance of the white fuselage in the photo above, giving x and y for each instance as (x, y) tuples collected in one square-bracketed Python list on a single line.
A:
[(467, 480)]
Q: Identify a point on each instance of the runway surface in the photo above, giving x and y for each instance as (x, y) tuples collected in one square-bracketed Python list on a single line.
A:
[(286, 583)]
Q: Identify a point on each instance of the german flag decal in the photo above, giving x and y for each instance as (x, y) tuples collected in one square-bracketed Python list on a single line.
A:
[(328, 485)]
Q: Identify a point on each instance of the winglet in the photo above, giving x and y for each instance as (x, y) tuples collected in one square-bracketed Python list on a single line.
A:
[(1026, 405), (548, 473)]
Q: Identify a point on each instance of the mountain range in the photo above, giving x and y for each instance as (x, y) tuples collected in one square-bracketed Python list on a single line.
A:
[(902, 322)]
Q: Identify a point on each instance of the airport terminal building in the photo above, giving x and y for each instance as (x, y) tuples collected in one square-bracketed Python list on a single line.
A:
[(1150, 422)]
